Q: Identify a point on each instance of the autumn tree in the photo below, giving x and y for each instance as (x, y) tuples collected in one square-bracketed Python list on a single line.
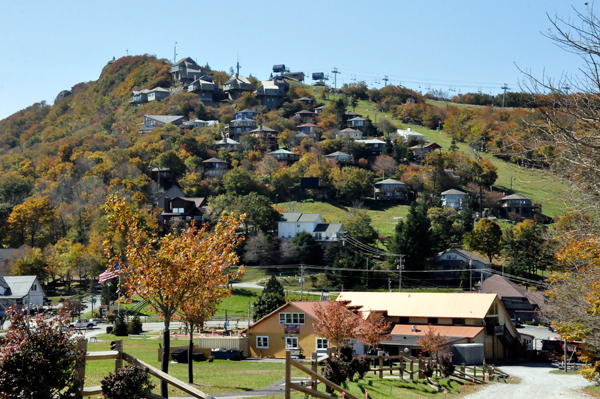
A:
[(30, 223), (335, 322), (32, 264), (485, 238), (385, 165), (432, 342), (357, 223), (171, 271), (374, 330)]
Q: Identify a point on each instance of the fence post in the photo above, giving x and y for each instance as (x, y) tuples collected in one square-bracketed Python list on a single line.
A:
[(421, 368), (119, 360), (400, 365), (463, 369), (491, 373), (314, 367), (474, 371), (412, 368), (80, 364), (288, 373)]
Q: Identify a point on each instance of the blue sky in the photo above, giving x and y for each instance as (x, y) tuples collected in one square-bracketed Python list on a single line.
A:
[(49, 46)]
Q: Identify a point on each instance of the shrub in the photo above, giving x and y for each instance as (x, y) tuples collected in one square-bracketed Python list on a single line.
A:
[(128, 383), (135, 326), (429, 369), (361, 365), (445, 364), (38, 359), (120, 325)]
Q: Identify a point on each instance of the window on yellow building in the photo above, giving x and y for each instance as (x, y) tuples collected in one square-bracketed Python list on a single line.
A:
[(262, 342)]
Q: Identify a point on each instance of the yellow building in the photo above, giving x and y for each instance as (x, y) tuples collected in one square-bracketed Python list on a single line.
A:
[(288, 328), (462, 317)]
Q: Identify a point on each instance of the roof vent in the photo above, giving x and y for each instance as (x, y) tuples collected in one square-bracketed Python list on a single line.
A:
[(414, 328)]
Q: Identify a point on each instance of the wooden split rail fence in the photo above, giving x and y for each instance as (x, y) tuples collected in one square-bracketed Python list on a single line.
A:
[(119, 356)]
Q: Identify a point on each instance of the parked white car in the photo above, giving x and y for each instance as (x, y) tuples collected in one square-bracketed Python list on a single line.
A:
[(83, 323)]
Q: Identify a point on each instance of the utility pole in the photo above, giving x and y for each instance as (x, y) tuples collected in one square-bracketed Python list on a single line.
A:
[(335, 71), (249, 315), (470, 275), (505, 87), (385, 79), (389, 284), (175, 53), (301, 281), (367, 275), (400, 267)]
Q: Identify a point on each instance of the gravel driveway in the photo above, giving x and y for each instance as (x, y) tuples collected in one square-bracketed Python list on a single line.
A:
[(536, 383)]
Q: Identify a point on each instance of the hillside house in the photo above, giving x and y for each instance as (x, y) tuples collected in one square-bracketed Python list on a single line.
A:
[(194, 123), (267, 136), (409, 135), (215, 168), (309, 128), (236, 85), (357, 122), (182, 209), (227, 144), (164, 177), (305, 116), (461, 317), (351, 115), (374, 146), (289, 327), (204, 87), (320, 109), (25, 292), (143, 96), (284, 156), (341, 157), (238, 127), (173, 192), (292, 223), (299, 136), (422, 150), (456, 259), (152, 122), (522, 305), (186, 71), (246, 114), (349, 133), (308, 101), (518, 205), (390, 189), (454, 199), (270, 93)]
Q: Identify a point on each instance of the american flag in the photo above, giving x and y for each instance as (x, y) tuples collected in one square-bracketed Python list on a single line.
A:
[(109, 274)]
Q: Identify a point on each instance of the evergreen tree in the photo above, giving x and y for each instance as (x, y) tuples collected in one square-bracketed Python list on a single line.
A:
[(524, 248), (453, 147), (413, 239), (270, 299)]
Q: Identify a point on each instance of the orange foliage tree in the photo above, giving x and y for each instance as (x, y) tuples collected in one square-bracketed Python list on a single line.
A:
[(335, 322), (432, 342), (173, 271), (373, 330)]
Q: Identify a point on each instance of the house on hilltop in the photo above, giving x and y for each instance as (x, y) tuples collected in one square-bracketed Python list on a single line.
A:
[(292, 223), (455, 259), (183, 210), (516, 204), (390, 189), (152, 122), (454, 199), (236, 85), (186, 71), (215, 168), (204, 87)]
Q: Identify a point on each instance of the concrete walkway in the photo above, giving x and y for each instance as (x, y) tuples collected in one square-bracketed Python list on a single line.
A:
[(277, 388)]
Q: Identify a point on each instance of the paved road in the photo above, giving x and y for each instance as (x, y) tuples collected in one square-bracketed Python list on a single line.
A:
[(536, 383)]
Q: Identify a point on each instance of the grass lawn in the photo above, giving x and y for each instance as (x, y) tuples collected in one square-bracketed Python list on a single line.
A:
[(230, 376), (593, 390), (383, 215)]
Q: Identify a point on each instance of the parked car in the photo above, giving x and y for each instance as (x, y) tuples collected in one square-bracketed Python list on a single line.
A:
[(83, 323)]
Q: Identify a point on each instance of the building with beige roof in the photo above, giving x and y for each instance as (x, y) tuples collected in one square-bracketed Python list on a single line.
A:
[(461, 317)]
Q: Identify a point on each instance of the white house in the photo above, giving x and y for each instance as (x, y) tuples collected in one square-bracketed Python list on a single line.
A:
[(349, 133), (408, 135), (292, 223), (453, 199), (23, 291)]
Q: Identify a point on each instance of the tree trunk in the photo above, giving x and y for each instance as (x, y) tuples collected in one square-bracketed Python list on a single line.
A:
[(164, 387), (190, 356)]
